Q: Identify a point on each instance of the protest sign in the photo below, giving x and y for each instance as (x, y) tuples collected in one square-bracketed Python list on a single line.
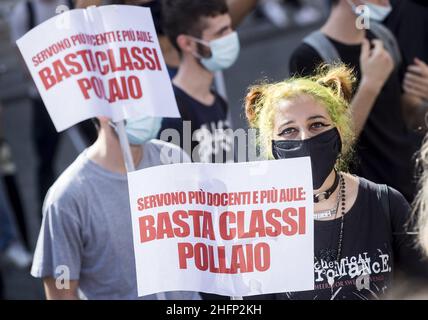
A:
[(103, 61), (236, 229)]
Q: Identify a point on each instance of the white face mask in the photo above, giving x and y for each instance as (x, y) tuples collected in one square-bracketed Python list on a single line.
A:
[(141, 130), (224, 52), (376, 12)]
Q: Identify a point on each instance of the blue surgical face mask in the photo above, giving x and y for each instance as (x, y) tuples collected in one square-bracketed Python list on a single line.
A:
[(224, 52), (376, 12), (353, 7), (143, 129)]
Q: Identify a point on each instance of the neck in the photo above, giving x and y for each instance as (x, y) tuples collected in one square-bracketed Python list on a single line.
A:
[(194, 79), (107, 153), (327, 183), (341, 25), (170, 54)]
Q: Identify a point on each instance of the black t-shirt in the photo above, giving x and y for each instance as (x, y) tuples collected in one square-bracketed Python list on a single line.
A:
[(409, 23), (211, 141), (385, 148), (370, 254)]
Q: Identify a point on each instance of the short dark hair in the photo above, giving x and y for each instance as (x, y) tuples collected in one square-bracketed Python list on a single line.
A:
[(184, 16)]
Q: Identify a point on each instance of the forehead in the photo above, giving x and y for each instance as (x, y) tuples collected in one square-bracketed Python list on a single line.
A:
[(212, 25), (301, 107), (378, 2)]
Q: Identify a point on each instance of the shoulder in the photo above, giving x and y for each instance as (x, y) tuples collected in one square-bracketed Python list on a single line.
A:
[(220, 101), (171, 123), (395, 197), (185, 103), (399, 208), (69, 187), (168, 153), (179, 93), (304, 50), (304, 60)]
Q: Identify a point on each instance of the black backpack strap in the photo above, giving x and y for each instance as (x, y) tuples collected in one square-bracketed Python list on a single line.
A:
[(31, 15), (383, 196), (323, 46)]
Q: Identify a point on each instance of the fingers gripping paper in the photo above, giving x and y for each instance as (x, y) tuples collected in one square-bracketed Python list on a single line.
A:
[(102, 61)]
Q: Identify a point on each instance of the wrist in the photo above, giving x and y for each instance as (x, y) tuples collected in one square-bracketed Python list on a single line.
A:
[(370, 85)]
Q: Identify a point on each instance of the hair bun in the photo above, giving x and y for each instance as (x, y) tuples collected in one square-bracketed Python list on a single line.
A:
[(254, 95), (339, 78)]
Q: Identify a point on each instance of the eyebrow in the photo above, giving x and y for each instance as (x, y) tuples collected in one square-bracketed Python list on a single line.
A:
[(317, 117), (222, 30)]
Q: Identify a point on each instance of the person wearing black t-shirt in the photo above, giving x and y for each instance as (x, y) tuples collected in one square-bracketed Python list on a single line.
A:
[(385, 148), (363, 234), (202, 32)]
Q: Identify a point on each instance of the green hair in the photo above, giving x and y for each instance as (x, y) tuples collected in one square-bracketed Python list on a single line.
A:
[(332, 87)]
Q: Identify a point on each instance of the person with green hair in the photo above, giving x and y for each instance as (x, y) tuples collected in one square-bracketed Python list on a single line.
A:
[(363, 236)]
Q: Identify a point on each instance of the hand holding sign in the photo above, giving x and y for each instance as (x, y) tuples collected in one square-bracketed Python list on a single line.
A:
[(223, 231), (103, 65)]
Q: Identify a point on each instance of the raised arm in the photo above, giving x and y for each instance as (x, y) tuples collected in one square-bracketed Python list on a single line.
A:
[(415, 97), (376, 66), (239, 9), (87, 3)]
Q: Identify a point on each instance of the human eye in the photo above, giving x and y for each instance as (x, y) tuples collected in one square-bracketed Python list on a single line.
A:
[(319, 125), (288, 132)]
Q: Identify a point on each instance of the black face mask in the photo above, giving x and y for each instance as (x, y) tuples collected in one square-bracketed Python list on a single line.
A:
[(323, 149)]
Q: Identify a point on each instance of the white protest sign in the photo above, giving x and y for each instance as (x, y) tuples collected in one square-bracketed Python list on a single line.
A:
[(104, 61), (223, 228)]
